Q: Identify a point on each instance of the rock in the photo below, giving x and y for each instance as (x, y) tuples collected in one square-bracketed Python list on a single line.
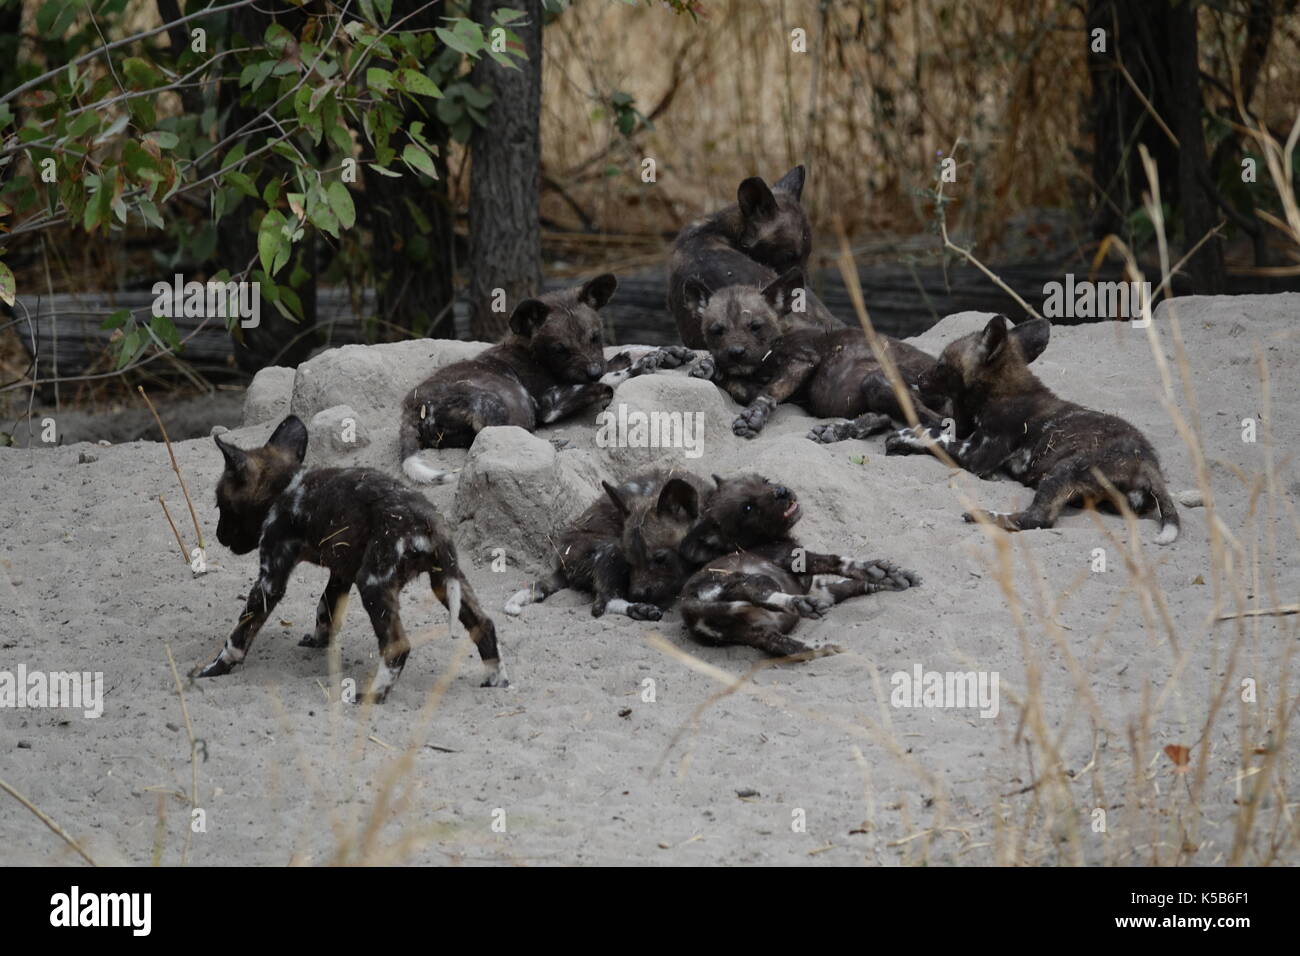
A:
[(372, 379), (516, 494), (1191, 498), (268, 395), (947, 329), (664, 420), (84, 458), (335, 432)]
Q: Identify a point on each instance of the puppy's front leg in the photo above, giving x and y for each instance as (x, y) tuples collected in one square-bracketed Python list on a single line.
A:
[(331, 611), (565, 400), (278, 559), (754, 418)]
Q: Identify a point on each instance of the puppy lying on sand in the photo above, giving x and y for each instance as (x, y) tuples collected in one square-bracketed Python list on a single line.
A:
[(756, 581), (1013, 421)]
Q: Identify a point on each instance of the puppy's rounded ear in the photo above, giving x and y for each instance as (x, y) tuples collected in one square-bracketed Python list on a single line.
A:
[(679, 497), (527, 316), (236, 458), (993, 338), (783, 293), (1032, 337), (598, 291), (702, 543), (792, 182), (291, 435), (757, 204), (696, 295), (615, 497)]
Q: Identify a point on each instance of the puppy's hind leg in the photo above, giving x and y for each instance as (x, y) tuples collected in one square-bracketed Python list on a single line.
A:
[(456, 594), (380, 594), (1062, 485)]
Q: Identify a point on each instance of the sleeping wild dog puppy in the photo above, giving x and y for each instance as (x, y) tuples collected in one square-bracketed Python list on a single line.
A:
[(364, 526), (756, 581), (764, 233), (624, 547), (1009, 419), (548, 367), (831, 372)]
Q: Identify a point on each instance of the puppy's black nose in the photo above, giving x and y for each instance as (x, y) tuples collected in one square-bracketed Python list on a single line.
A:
[(735, 351), (595, 371), (782, 493)]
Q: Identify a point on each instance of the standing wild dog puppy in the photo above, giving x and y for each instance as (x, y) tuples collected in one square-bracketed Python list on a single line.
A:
[(760, 361), (1009, 419), (757, 581), (363, 525), (548, 367), (624, 548), (764, 233)]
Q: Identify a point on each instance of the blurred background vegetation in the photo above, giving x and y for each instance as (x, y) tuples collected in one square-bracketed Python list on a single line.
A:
[(482, 168)]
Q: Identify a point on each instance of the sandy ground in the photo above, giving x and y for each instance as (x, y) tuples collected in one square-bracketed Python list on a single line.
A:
[(801, 764)]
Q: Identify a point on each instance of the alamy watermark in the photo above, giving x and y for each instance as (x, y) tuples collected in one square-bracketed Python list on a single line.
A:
[(219, 300), (78, 690), (945, 689), (655, 429), (1097, 300)]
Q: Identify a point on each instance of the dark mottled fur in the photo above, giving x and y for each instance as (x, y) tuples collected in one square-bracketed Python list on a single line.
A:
[(748, 244), (830, 372), (624, 547), (756, 581), (1008, 419), (547, 367), (364, 526)]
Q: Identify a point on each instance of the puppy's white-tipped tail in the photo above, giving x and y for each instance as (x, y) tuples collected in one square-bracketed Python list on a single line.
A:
[(518, 601), (453, 606), (417, 469), (1168, 533)]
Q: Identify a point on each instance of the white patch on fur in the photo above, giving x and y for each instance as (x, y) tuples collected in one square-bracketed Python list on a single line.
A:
[(421, 543), (419, 471), (781, 599), (617, 606), (230, 653), (1168, 534), (707, 631), (453, 606), (615, 379), (400, 547), (518, 601), (711, 593), (385, 677)]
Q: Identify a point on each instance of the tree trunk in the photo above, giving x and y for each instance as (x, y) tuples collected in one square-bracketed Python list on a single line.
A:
[(505, 169)]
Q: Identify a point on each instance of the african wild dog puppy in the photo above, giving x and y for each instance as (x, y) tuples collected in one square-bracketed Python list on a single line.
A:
[(364, 526), (831, 372), (549, 366), (624, 547), (764, 233), (756, 581), (1009, 419)]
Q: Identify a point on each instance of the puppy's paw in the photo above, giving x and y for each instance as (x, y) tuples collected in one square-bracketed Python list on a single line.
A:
[(495, 677), (644, 612), (911, 441), (812, 605), (828, 433), (704, 368), (216, 668), (752, 420), (311, 640)]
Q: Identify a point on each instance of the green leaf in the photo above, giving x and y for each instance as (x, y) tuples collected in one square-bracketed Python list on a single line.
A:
[(116, 320), (164, 139), (340, 201), (256, 73), (273, 246), (149, 213), (83, 123), (416, 82), (418, 159), (8, 287), (506, 15), (379, 79), (243, 182)]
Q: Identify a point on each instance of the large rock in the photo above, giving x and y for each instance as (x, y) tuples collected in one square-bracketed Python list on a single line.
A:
[(335, 433), (268, 396), (515, 494)]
